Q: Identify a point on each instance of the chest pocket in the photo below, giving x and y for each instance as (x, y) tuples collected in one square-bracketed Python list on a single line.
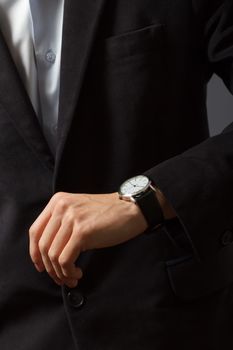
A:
[(137, 42)]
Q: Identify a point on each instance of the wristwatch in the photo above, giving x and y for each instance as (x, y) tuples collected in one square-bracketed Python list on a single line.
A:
[(140, 190)]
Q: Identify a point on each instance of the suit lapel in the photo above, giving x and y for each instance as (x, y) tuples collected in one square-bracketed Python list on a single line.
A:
[(15, 101), (80, 26), (81, 19)]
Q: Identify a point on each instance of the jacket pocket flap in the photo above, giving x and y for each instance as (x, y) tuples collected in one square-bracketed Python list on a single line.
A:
[(190, 279), (138, 41)]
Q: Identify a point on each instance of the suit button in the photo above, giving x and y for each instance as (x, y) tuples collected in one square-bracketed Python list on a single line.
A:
[(75, 299), (227, 237)]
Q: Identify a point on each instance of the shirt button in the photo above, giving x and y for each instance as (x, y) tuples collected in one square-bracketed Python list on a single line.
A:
[(75, 299), (227, 237), (54, 128), (50, 56)]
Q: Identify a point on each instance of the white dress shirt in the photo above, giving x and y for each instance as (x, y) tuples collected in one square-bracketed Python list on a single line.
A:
[(33, 32)]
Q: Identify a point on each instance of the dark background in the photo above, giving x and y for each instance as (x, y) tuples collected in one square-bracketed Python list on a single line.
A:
[(220, 106)]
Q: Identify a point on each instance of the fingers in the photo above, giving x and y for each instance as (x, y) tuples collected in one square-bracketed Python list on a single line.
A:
[(46, 248), (60, 241), (42, 219), (68, 257), (35, 233), (52, 244), (42, 248)]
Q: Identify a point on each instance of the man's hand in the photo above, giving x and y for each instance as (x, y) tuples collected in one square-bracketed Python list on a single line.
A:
[(72, 223)]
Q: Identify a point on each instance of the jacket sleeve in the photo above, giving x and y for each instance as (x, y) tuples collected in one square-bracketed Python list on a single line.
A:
[(199, 182)]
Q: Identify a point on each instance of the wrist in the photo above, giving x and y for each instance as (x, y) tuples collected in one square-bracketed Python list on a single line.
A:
[(132, 215), (140, 190)]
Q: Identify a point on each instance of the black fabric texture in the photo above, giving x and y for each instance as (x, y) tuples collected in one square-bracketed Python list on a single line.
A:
[(133, 101)]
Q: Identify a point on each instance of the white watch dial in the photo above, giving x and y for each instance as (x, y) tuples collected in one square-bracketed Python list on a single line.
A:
[(135, 185)]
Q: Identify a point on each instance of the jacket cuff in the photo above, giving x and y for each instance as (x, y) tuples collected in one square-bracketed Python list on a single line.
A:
[(199, 186)]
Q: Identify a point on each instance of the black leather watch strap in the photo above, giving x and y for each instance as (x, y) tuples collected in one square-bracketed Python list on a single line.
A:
[(151, 209)]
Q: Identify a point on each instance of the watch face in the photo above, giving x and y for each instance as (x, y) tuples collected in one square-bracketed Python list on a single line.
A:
[(134, 185)]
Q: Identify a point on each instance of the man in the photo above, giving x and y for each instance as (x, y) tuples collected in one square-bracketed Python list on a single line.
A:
[(98, 97)]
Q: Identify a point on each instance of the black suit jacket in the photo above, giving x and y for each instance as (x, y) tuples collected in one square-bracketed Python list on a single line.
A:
[(133, 100)]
